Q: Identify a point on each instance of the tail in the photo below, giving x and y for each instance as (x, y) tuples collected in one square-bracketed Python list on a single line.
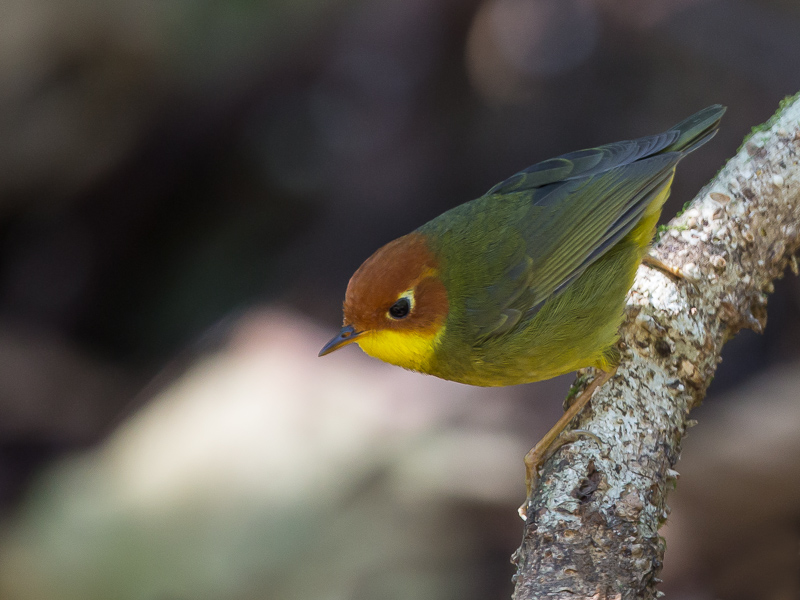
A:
[(696, 130)]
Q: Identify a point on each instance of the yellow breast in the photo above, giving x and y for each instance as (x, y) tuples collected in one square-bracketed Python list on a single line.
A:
[(408, 349)]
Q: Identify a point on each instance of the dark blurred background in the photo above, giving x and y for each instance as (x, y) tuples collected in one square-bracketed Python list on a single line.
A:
[(186, 185)]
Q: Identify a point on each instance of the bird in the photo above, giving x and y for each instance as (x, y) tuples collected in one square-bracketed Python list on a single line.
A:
[(529, 280)]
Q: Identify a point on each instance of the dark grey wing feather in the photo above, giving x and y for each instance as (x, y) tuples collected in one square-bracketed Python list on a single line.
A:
[(583, 163)]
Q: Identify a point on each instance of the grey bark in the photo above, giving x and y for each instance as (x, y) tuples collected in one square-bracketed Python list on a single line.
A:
[(592, 527)]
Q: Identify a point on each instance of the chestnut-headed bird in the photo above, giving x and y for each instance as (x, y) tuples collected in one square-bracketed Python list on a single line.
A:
[(528, 281)]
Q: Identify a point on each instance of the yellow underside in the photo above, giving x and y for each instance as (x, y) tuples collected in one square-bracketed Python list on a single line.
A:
[(643, 233), (410, 350)]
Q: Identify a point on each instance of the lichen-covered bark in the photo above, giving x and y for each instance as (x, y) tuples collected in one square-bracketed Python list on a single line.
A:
[(592, 527)]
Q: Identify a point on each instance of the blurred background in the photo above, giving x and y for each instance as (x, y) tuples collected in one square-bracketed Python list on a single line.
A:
[(185, 189)]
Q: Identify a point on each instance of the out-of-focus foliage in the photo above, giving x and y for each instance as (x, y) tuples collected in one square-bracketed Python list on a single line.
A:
[(166, 165)]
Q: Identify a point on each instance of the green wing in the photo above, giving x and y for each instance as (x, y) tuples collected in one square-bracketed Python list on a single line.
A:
[(565, 228), (543, 227)]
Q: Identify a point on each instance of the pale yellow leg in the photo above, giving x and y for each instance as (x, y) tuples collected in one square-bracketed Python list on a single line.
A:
[(655, 263), (553, 440)]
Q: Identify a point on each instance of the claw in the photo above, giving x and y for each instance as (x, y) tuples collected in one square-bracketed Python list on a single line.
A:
[(555, 439)]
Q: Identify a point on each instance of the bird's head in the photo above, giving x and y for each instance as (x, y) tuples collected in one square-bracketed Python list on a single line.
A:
[(395, 305)]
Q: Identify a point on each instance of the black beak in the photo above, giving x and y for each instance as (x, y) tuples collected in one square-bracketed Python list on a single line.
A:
[(346, 336)]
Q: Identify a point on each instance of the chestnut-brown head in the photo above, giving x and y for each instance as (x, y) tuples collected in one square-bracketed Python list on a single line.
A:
[(395, 305)]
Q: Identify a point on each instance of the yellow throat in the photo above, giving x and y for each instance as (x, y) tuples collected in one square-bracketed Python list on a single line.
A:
[(408, 349)]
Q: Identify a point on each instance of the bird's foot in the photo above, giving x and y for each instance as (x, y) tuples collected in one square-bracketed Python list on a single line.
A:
[(555, 439)]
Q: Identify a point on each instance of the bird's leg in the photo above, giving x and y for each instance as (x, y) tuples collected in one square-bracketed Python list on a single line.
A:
[(553, 439), (655, 263)]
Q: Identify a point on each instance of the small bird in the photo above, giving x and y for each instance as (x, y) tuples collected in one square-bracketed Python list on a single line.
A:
[(528, 281)]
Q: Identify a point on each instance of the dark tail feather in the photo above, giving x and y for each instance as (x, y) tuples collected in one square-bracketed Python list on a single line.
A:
[(697, 129)]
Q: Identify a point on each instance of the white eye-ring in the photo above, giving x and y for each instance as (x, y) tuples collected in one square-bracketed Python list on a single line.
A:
[(403, 307)]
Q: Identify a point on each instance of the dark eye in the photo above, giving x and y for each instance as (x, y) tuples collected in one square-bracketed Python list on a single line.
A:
[(400, 309)]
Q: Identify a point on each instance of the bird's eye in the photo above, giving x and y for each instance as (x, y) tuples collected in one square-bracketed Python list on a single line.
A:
[(400, 309)]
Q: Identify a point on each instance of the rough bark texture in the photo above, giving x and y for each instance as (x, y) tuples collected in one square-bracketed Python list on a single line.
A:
[(592, 529)]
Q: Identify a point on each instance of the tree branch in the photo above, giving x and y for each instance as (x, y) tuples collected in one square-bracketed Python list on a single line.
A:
[(592, 529)]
